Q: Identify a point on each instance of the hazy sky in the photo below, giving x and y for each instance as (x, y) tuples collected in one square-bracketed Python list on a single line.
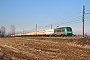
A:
[(25, 14)]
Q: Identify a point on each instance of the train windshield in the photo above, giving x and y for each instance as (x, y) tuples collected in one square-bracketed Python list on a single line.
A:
[(69, 29)]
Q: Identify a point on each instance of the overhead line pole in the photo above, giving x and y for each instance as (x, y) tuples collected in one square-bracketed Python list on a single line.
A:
[(83, 19), (36, 29), (51, 26)]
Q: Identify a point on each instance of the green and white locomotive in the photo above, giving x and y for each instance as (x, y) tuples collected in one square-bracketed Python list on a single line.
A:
[(63, 31)]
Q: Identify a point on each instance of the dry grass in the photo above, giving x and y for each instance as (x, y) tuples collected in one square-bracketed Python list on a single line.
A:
[(46, 48)]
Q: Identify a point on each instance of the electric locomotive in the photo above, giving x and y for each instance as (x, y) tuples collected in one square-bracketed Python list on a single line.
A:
[(63, 31)]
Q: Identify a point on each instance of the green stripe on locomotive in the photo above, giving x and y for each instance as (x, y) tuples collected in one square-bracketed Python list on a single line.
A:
[(63, 31)]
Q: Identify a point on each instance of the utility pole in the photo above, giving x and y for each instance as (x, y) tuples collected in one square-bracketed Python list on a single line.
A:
[(23, 31), (83, 19), (36, 29), (51, 26)]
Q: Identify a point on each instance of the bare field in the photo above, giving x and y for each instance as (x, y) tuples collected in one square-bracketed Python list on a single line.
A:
[(45, 48)]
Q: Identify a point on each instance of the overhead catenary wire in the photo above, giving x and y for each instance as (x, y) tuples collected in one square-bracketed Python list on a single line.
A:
[(72, 20), (75, 18), (71, 12)]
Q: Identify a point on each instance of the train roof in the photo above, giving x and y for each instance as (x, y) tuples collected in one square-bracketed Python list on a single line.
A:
[(62, 27)]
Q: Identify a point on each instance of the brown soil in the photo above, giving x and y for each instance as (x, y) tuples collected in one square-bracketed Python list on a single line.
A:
[(51, 48)]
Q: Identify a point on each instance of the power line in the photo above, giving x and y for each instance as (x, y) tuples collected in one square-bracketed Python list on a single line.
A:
[(69, 20), (73, 20)]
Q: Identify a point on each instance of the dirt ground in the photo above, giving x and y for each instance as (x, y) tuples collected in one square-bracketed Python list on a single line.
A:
[(45, 48)]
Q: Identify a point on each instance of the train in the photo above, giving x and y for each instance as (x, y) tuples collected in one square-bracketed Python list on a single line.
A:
[(61, 31)]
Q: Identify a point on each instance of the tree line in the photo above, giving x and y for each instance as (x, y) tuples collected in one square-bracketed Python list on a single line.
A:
[(3, 31)]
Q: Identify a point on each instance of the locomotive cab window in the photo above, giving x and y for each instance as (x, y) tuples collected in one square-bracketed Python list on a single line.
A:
[(69, 29)]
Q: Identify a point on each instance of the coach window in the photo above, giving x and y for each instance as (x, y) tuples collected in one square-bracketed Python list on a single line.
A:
[(63, 30)]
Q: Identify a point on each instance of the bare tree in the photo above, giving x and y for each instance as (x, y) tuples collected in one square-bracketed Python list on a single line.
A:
[(12, 30), (2, 31)]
